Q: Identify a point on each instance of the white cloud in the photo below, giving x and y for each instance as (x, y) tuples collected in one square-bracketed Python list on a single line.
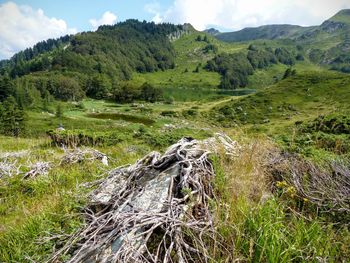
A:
[(108, 18), (237, 14), (22, 27), (154, 9), (157, 18)]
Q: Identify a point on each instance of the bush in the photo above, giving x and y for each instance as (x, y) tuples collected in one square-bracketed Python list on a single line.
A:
[(169, 100), (150, 93), (210, 48), (333, 124), (77, 138), (169, 113), (190, 113), (128, 93), (284, 56)]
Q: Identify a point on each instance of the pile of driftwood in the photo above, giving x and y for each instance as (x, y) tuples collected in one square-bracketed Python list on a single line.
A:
[(156, 210)]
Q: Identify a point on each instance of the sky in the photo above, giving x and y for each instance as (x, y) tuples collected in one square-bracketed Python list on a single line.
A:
[(26, 22)]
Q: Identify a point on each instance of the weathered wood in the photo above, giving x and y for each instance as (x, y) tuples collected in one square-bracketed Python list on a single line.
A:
[(156, 210)]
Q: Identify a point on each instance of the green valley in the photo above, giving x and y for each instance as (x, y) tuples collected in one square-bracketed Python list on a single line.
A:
[(280, 92)]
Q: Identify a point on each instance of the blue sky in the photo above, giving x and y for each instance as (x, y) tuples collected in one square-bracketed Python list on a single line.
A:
[(77, 13), (25, 22)]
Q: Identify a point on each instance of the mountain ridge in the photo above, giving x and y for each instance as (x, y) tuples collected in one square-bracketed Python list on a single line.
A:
[(277, 31)]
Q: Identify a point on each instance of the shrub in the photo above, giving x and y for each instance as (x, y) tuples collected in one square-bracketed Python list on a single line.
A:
[(333, 124), (190, 112), (77, 138), (169, 113)]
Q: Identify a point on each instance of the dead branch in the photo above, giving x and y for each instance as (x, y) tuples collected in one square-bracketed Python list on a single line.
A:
[(9, 168), (156, 210), (18, 154), (38, 169), (326, 187), (78, 155)]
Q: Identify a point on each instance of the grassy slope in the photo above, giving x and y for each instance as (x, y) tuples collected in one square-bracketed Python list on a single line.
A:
[(304, 96), (342, 16), (266, 32), (32, 210), (275, 111), (189, 54)]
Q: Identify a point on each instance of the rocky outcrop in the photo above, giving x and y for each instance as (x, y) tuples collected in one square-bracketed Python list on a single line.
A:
[(186, 30), (332, 26)]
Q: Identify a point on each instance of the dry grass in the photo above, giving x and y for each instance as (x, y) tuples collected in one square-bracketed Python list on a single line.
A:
[(246, 174), (241, 184), (258, 223)]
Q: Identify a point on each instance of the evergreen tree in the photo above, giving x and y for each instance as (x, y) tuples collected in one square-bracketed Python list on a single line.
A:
[(287, 73), (12, 118), (6, 88), (198, 38)]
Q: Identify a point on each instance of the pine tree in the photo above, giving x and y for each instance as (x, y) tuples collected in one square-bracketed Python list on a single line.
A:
[(287, 73), (6, 88), (12, 118)]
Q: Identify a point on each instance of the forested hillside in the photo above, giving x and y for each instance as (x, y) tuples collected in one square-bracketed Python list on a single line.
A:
[(112, 50), (88, 64)]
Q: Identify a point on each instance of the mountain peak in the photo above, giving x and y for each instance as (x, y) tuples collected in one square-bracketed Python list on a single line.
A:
[(212, 31)]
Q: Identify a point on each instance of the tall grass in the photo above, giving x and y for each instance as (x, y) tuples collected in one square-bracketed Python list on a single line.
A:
[(35, 214), (254, 225)]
